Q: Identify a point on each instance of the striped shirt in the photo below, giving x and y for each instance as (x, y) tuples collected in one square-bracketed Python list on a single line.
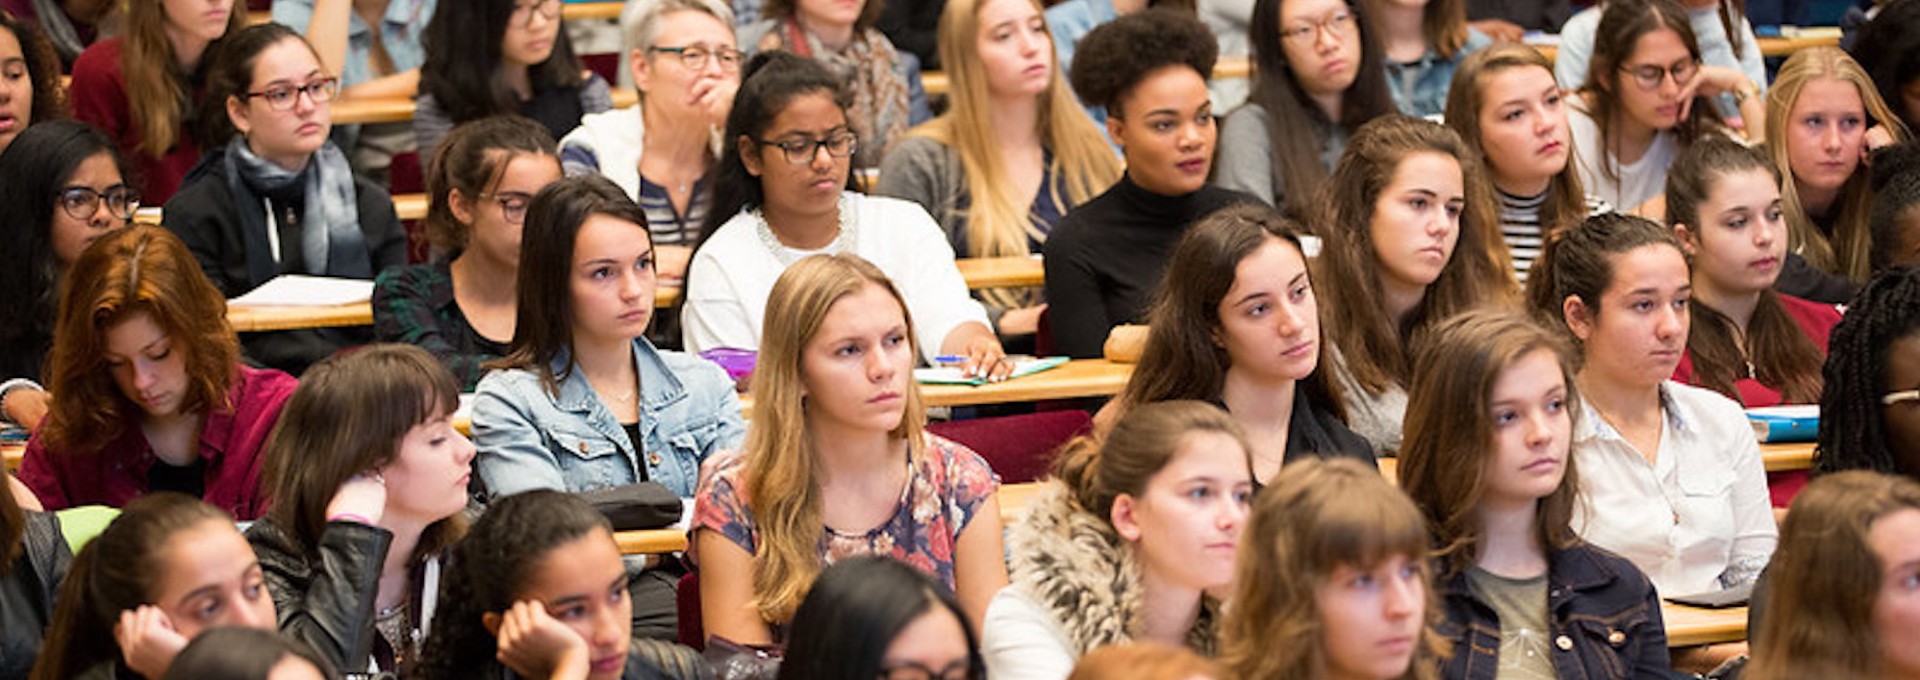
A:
[(1520, 226), (669, 227)]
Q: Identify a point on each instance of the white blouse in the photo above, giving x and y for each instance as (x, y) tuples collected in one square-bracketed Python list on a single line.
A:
[(1695, 519)]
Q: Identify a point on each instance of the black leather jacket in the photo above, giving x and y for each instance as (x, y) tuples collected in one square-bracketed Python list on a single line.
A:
[(325, 597), (27, 589), (1602, 612)]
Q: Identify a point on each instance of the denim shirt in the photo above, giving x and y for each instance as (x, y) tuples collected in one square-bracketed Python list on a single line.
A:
[(1420, 87), (1603, 616), (532, 439)]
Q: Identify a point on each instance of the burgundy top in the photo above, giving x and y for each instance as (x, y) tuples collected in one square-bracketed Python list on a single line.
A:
[(1817, 320), (99, 97), (230, 443)]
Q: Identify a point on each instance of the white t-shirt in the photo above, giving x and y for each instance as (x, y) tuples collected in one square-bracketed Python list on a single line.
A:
[(1020, 640), (733, 273), (1698, 517), (1634, 182)]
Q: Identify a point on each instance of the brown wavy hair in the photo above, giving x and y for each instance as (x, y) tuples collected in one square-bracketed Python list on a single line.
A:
[(472, 160), (1621, 26), (347, 417), (1182, 359), (158, 96), (1450, 436), (1782, 355), (1319, 515), (1578, 263), (140, 270), (1375, 348), (1826, 578), (1566, 197), (782, 473)]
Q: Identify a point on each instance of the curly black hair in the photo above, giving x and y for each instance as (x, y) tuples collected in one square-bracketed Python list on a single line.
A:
[(1896, 205), (43, 69), (1889, 48), (1117, 55), (1852, 436)]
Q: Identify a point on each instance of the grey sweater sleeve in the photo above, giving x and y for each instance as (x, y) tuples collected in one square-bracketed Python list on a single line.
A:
[(1245, 160), (926, 172)]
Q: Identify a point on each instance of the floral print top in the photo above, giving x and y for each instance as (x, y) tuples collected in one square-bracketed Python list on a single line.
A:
[(947, 485)]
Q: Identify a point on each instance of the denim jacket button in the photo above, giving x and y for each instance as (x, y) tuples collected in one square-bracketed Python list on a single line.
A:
[(583, 448), (1616, 638), (653, 458), (1564, 643)]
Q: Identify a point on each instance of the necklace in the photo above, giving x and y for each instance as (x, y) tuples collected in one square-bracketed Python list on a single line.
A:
[(843, 238)]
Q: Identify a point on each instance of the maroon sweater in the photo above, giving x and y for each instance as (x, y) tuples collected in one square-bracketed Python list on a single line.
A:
[(230, 441), (99, 97)]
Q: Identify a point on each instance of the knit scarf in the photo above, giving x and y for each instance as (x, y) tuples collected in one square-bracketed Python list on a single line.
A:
[(867, 65), (330, 240)]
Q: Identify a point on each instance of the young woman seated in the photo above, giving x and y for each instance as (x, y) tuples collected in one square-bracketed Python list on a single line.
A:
[(1505, 103), (1407, 224), (1889, 48), (368, 480), (1319, 75), (1646, 97), (1514, 578), (1125, 542), (142, 87), (462, 306), (1841, 602), (782, 196), (237, 653), (148, 390), (279, 198), (838, 463), (686, 69), (881, 82), (1671, 473), (1236, 324), (168, 568), (1721, 26), (376, 49), (1870, 407), (1103, 261), (493, 57), (1423, 42), (1894, 223), (1825, 119), (1355, 604), (1011, 155), (30, 87), (583, 401), (875, 616), (64, 184), (34, 559), (537, 590)]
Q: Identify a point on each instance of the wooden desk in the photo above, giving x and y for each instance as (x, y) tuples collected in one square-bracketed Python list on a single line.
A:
[(13, 452), (410, 207), (251, 318), (1072, 380), (361, 110), (1001, 272), (1787, 456), (591, 9), (1689, 626)]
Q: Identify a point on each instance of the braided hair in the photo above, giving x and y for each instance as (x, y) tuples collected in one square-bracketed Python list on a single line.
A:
[(1852, 436)]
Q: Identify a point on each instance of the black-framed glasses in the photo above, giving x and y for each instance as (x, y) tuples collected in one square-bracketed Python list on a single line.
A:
[(803, 149), (1648, 76), (513, 204), (81, 203), (910, 670), (523, 11), (694, 57), (1338, 25), (283, 97)]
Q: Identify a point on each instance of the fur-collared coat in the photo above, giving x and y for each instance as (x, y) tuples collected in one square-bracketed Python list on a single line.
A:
[(1075, 587)]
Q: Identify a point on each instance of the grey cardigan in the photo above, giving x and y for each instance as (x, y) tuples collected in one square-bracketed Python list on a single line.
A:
[(929, 173)]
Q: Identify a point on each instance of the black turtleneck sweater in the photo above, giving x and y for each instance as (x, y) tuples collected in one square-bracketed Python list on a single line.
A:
[(1105, 258)]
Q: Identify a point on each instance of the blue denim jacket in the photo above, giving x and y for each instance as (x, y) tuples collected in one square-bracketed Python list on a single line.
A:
[(1603, 614), (532, 439), (1420, 88)]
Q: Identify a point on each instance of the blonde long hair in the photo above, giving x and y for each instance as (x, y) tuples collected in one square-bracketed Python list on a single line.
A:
[(997, 221), (1848, 249), (782, 467), (157, 96)]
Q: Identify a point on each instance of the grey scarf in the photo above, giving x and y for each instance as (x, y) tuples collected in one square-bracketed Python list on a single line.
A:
[(330, 240)]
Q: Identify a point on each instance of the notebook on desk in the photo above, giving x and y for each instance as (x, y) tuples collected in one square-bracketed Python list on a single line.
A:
[(953, 375)]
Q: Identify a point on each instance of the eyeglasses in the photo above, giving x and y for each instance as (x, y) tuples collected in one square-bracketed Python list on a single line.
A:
[(523, 12), (909, 670), (81, 203), (513, 205), (803, 149), (1648, 76), (694, 57), (1900, 397), (1338, 25), (283, 97)]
